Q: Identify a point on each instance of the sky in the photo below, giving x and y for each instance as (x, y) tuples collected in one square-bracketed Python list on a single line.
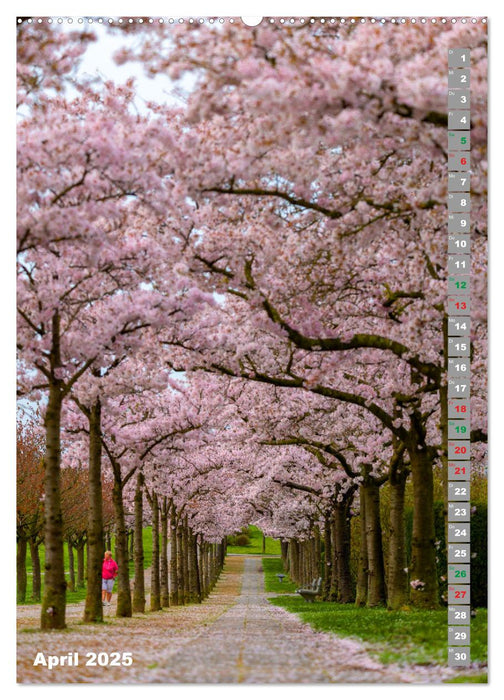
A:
[(98, 61)]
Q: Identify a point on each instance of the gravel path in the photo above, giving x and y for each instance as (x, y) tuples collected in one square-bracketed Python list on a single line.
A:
[(255, 642), (235, 636)]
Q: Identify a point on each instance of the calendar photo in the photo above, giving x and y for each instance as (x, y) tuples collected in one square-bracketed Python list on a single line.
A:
[(251, 420)]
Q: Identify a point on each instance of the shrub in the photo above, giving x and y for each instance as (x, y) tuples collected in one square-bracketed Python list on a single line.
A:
[(242, 540)]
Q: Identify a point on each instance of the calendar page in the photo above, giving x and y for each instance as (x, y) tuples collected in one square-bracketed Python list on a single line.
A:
[(252, 349)]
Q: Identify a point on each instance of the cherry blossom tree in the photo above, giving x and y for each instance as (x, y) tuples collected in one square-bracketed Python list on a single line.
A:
[(317, 167), (279, 239)]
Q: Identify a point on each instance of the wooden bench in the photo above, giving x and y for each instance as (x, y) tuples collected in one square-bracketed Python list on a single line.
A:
[(310, 592)]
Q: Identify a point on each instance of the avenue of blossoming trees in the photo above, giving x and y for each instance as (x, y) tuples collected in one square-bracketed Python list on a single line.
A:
[(235, 310)]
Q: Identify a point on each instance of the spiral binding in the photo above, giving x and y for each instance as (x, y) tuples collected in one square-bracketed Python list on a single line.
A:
[(237, 20)]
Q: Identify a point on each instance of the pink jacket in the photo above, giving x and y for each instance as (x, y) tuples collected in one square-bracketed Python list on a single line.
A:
[(109, 569)]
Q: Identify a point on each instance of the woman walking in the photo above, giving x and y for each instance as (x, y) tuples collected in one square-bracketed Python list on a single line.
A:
[(109, 572)]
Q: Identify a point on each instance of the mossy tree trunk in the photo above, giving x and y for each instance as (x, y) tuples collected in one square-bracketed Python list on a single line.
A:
[(174, 584), (93, 609), (71, 566), (155, 593), (80, 548), (376, 570), (195, 583), (362, 571), (138, 550), (36, 573), (327, 555), (185, 559), (124, 605), (21, 569), (423, 551), (180, 563), (397, 579), (341, 534), (54, 597), (165, 589)]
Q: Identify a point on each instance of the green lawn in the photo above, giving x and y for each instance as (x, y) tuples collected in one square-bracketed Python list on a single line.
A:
[(271, 568), (80, 594), (256, 544), (413, 637)]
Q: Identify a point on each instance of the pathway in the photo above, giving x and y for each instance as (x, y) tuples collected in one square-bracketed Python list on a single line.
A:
[(235, 636)]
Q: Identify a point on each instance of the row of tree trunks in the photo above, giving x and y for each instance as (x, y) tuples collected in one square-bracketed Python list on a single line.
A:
[(184, 567), (376, 583), (23, 543), (302, 559)]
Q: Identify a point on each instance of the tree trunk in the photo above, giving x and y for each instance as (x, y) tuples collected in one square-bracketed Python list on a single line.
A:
[(185, 560), (124, 607), (54, 598), (317, 552), (294, 560), (165, 590), (205, 567), (342, 550), (155, 593), (21, 570), (71, 566), (180, 565), (36, 579), (376, 570), (362, 572), (327, 556), (174, 585), (131, 545), (93, 609), (80, 564), (138, 551), (195, 586), (425, 593), (397, 579)]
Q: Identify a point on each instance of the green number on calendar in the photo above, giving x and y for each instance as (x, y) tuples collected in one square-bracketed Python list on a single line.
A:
[(463, 139), (461, 285), (461, 429), (460, 574)]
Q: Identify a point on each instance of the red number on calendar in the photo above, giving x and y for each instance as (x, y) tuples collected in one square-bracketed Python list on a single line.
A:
[(460, 450), (461, 409), (460, 594), (463, 161), (459, 470)]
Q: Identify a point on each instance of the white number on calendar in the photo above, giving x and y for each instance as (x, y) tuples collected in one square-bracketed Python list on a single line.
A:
[(460, 615)]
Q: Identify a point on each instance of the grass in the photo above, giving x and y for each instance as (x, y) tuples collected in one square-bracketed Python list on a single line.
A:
[(481, 678), (79, 594), (271, 568), (256, 544), (412, 637)]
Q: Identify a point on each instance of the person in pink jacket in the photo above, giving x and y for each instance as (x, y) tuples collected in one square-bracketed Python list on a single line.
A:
[(109, 572)]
